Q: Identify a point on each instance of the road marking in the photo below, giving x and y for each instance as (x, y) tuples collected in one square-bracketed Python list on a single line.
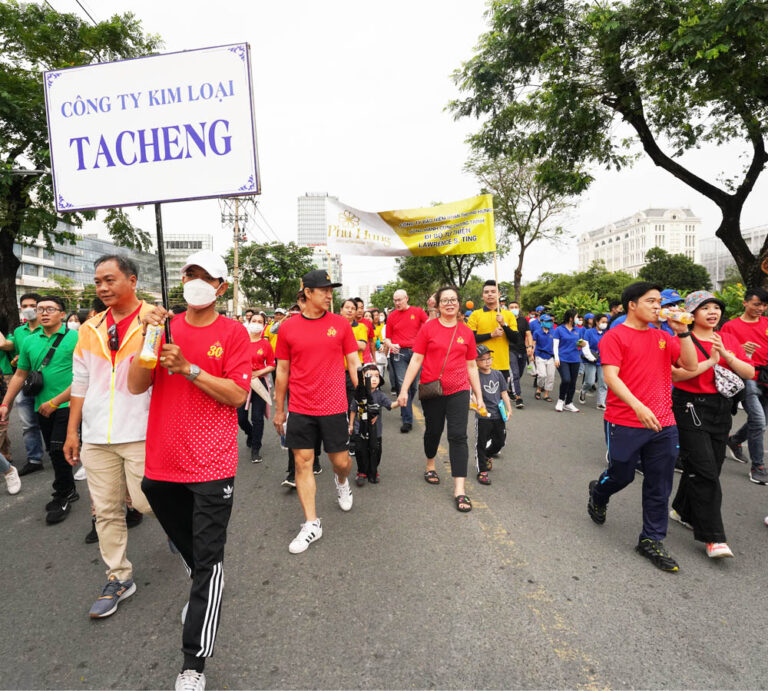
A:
[(561, 636)]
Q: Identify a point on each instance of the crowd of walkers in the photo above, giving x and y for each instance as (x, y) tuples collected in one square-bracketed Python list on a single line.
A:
[(161, 440)]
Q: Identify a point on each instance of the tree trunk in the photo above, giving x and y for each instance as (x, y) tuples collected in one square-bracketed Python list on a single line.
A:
[(9, 264), (519, 272), (729, 232)]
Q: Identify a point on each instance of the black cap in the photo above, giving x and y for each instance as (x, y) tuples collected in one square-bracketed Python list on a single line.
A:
[(319, 278)]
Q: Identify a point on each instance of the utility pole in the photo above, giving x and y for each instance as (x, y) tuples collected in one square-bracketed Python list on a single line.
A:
[(236, 268), (234, 210)]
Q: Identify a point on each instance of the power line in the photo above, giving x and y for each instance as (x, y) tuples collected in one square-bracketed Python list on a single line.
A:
[(274, 234), (86, 12)]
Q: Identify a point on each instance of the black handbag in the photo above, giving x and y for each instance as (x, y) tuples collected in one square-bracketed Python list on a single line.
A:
[(433, 389), (33, 384)]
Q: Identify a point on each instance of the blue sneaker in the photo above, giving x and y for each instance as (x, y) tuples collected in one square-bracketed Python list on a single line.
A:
[(114, 591)]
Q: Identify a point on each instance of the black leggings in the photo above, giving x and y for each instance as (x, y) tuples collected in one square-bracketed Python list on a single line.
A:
[(569, 372), (455, 409)]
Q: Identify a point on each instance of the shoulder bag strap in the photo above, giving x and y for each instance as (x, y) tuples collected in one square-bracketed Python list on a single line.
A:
[(442, 369), (56, 342), (699, 346)]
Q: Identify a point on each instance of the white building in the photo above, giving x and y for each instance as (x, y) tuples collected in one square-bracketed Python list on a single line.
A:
[(716, 258), (177, 248), (313, 232), (622, 245)]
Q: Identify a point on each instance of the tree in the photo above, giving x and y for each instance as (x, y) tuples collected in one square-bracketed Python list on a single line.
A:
[(66, 289), (523, 205), (34, 38), (674, 271), (551, 78), (271, 272)]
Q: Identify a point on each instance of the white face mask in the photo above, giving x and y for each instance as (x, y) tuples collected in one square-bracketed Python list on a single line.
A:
[(73, 326), (29, 313), (578, 322), (381, 318), (254, 327), (199, 293), (515, 311), (602, 326)]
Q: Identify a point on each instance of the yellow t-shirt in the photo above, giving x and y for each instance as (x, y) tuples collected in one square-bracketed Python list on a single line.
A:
[(361, 334), (272, 337), (483, 321)]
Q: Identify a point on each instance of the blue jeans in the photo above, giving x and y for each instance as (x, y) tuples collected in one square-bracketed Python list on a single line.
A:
[(569, 371), (756, 405), (30, 429), (5, 466), (400, 362), (594, 371)]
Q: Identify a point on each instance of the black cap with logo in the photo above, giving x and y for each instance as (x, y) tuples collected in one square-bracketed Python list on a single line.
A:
[(318, 279)]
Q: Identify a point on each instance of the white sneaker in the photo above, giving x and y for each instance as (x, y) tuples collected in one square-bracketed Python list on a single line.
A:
[(559, 406), (677, 517), (571, 408), (310, 531), (345, 494), (79, 474), (189, 680), (184, 613), (718, 550), (13, 481)]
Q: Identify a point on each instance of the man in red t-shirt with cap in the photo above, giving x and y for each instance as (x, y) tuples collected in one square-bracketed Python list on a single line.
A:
[(311, 352)]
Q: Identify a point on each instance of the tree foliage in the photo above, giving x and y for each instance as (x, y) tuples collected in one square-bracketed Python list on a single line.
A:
[(552, 79), (525, 208), (270, 273), (34, 38), (674, 271)]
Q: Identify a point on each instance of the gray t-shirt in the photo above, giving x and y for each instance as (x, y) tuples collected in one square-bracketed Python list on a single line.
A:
[(384, 401), (492, 384)]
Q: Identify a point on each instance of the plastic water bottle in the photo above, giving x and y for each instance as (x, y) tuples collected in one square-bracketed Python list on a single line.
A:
[(676, 315), (151, 348)]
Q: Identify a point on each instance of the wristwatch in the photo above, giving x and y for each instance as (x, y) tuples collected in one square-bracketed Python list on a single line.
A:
[(194, 371)]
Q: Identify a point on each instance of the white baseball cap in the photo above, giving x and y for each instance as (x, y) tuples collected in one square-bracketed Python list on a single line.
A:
[(211, 262)]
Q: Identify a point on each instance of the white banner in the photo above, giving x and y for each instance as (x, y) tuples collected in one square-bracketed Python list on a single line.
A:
[(161, 128)]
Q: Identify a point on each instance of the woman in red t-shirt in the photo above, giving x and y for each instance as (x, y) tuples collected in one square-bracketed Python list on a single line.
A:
[(263, 362), (444, 349), (703, 419)]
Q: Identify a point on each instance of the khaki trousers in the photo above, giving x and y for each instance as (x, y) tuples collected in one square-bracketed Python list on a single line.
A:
[(111, 469)]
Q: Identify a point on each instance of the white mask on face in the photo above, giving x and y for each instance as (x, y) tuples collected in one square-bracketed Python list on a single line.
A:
[(578, 322), (29, 313), (515, 311), (199, 293), (381, 318), (254, 328), (73, 326), (602, 326)]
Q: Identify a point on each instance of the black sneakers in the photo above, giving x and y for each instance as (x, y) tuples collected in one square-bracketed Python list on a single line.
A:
[(29, 467), (56, 501), (406, 427), (133, 518), (596, 512), (290, 481), (60, 510), (655, 552), (92, 536)]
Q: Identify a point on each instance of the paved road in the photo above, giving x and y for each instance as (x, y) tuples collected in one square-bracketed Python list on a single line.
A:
[(405, 592)]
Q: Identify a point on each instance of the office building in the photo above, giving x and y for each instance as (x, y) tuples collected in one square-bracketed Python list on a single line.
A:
[(622, 245), (718, 261), (313, 232), (178, 247)]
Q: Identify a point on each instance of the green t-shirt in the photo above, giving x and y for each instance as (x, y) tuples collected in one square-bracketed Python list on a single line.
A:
[(5, 362), (20, 334), (57, 374)]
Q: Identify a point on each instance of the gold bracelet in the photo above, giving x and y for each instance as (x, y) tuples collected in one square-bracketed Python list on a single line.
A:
[(53, 405)]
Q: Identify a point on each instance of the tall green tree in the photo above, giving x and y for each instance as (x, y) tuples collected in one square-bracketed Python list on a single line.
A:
[(34, 38), (271, 272), (525, 207), (552, 79), (674, 271)]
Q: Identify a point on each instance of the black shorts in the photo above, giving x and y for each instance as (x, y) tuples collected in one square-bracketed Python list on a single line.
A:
[(306, 431)]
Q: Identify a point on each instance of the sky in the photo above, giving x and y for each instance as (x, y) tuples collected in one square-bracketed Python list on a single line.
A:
[(350, 99)]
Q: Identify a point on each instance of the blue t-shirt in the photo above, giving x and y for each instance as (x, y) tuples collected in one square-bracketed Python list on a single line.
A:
[(543, 341), (568, 351), (619, 320), (592, 337)]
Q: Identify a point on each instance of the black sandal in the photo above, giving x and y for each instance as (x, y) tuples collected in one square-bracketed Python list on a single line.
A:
[(538, 396), (463, 499), (432, 477), (483, 478)]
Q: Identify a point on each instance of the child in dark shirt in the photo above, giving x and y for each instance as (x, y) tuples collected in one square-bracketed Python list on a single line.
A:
[(490, 431), (365, 423)]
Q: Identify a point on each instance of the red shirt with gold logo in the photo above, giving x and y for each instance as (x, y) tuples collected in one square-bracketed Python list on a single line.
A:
[(262, 354), (315, 350), (190, 436)]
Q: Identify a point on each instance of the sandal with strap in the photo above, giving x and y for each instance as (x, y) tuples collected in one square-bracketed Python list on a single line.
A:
[(538, 395), (548, 399), (463, 503), (432, 477), (483, 478)]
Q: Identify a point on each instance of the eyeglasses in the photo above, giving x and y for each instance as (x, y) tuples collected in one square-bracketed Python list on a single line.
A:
[(49, 310), (114, 340), (449, 301)]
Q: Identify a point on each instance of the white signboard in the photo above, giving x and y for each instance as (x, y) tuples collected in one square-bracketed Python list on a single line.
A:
[(161, 128)]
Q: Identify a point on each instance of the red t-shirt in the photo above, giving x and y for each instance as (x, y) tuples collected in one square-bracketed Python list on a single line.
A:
[(315, 350), (705, 382), (433, 341), (369, 327), (190, 436), (403, 325), (262, 354), (122, 327), (757, 332), (644, 359)]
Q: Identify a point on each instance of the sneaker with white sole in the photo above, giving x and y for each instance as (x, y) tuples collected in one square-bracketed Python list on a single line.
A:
[(79, 474), (184, 613), (344, 492), (571, 408), (582, 396), (736, 450), (310, 531), (559, 405), (13, 481), (190, 680), (718, 550), (673, 515), (112, 595)]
